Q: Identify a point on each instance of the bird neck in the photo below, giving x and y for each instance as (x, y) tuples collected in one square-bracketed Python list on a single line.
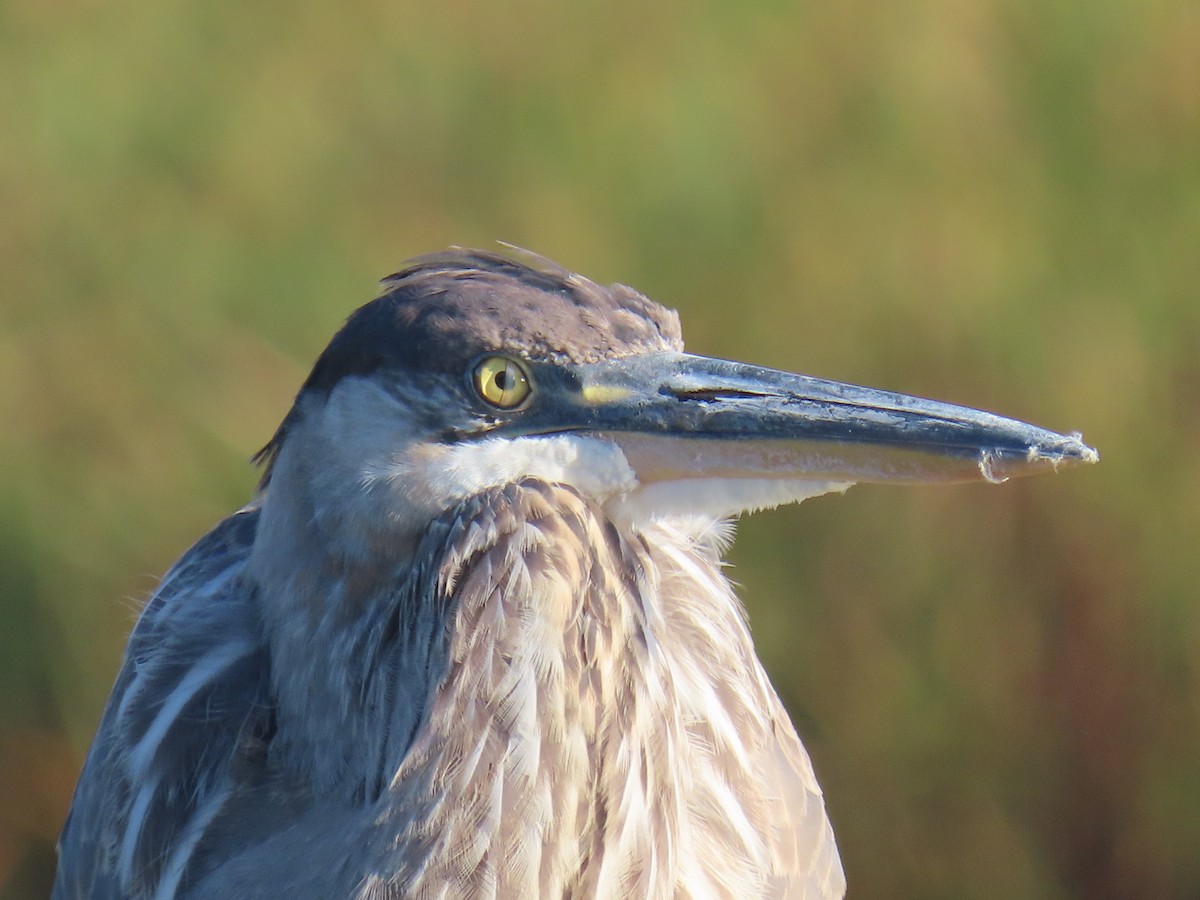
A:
[(355, 636), (599, 689), (529, 697)]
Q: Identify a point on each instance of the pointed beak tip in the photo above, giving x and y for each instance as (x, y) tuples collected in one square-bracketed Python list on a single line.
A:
[(1071, 450)]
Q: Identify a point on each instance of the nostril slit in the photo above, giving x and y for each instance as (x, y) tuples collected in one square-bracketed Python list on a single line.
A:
[(710, 395)]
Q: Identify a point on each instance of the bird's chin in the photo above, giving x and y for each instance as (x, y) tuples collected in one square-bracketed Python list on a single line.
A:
[(694, 504), (681, 482)]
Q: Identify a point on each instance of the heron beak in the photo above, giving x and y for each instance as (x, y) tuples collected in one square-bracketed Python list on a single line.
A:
[(677, 416)]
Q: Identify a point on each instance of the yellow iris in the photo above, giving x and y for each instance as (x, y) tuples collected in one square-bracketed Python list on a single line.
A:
[(502, 382)]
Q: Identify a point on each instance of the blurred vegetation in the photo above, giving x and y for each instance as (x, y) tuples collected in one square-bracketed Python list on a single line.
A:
[(994, 202)]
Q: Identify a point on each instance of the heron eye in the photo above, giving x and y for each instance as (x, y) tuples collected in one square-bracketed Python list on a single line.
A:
[(501, 382)]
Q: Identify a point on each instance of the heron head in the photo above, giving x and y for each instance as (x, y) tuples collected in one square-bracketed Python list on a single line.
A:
[(473, 370)]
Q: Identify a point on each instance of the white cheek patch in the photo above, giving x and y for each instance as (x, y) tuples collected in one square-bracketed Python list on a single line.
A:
[(435, 476)]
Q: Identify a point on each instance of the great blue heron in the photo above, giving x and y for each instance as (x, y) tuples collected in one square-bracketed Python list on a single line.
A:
[(472, 638)]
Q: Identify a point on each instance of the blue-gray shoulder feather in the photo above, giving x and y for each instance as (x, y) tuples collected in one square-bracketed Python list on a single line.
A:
[(189, 715)]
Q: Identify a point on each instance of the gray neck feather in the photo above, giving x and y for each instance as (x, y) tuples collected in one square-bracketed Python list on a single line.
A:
[(557, 702)]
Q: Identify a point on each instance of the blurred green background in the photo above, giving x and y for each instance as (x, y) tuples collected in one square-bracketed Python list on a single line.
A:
[(994, 202)]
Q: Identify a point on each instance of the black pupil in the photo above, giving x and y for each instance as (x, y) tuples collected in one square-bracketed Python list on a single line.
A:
[(502, 378)]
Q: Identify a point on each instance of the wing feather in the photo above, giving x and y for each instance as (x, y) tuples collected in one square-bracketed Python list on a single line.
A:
[(189, 710)]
